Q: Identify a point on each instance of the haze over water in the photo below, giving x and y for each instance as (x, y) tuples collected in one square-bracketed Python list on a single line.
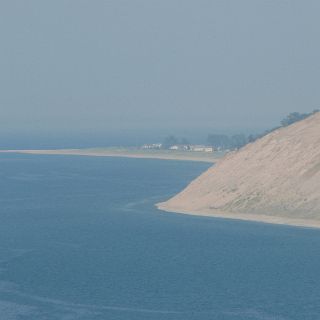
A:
[(80, 238), (146, 68)]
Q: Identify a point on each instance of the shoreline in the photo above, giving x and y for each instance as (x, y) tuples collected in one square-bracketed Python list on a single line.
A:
[(179, 156), (126, 153), (285, 221)]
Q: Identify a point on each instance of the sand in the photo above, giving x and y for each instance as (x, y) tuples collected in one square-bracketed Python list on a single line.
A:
[(275, 180), (307, 223), (129, 153)]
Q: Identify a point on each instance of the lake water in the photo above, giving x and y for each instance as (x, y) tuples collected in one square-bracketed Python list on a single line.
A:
[(80, 238)]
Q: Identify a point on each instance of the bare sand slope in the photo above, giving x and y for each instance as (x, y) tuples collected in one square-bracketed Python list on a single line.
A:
[(275, 179)]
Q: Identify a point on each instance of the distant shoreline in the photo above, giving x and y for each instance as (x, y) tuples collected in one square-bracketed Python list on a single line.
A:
[(180, 156), (127, 153)]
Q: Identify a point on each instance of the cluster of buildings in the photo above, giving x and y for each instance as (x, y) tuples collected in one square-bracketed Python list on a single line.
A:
[(192, 147), (156, 146), (180, 147)]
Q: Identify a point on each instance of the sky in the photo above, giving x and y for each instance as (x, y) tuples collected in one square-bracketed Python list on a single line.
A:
[(153, 67)]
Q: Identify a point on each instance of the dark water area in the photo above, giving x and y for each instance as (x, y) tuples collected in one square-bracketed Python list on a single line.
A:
[(80, 238)]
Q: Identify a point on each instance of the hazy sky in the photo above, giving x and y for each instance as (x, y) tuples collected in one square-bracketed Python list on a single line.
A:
[(99, 65)]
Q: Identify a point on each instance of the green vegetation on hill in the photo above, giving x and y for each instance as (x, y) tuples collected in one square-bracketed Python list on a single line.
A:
[(220, 141), (236, 141)]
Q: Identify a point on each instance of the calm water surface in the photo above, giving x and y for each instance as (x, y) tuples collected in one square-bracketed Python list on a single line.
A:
[(80, 238)]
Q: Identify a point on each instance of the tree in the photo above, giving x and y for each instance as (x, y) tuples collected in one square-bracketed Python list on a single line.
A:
[(253, 137), (185, 141), (293, 117), (169, 142), (219, 141), (238, 141)]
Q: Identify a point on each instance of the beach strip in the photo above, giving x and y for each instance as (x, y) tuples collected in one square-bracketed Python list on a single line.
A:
[(213, 213), (127, 153)]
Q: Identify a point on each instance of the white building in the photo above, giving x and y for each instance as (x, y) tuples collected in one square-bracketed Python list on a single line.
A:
[(152, 146), (180, 147), (201, 148)]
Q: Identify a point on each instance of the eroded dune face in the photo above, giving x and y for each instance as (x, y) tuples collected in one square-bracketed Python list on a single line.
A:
[(278, 175)]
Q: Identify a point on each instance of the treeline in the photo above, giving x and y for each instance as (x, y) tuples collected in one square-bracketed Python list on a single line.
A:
[(173, 140), (296, 116), (223, 142), (236, 141)]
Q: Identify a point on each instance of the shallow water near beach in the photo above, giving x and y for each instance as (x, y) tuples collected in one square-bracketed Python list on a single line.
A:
[(80, 238)]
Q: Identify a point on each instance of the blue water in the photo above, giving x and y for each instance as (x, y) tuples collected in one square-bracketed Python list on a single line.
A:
[(80, 238)]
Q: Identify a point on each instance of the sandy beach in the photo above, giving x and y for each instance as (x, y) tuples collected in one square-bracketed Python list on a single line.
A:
[(182, 156), (128, 153), (275, 179), (307, 223)]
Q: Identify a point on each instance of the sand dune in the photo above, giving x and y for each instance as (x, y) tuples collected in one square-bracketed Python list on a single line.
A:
[(275, 179)]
